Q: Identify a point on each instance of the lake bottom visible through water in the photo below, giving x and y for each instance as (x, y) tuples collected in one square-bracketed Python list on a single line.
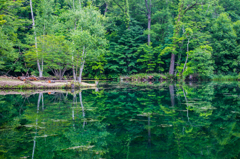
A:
[(171, 121)]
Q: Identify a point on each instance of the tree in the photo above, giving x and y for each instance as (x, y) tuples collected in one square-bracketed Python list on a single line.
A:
[(200, 63), (40, 69), (224, 45), (55, 52), (88, 38), (6, 48), (124, 43), (149, 57), (149, 12), (94, 68), (123, 5), (183, 8), (10, 22)]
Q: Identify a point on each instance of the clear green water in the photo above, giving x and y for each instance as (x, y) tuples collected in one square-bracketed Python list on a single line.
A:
[(170, 121)]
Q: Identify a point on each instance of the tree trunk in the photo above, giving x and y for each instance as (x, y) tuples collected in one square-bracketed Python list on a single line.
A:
[(180, 55), (38, 64), (172, 63), (148, 7), (149, 28), (73, 69), (76, 72), (187, 55), (80, 73), (127, 13), (60, 73), (82, 65), (106, 8), (176, 31), (75, 27)]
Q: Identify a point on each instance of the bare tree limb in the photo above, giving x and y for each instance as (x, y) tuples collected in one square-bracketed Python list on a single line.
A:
[(119, 6), (192, 6)]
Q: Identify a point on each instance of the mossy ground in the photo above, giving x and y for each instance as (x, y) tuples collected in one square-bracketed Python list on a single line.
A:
[(144, 76)]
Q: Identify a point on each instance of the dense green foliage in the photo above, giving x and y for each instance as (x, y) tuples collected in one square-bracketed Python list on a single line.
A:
[(171, 121), (108, 38)]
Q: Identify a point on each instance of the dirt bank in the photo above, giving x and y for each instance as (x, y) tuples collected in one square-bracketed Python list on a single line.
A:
[(6, 83)]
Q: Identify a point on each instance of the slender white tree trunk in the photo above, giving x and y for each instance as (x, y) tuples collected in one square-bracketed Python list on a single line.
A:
[(38, 64), (82, 65), (149, 12), (80, 73), (73, 69), (74, 74)]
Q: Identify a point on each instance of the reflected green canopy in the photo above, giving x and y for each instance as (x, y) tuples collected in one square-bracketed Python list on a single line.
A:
[(169, 121)]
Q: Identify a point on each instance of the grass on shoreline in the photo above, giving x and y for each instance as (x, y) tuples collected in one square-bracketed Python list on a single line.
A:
[(156, 76), (144, 76), (225, 78)]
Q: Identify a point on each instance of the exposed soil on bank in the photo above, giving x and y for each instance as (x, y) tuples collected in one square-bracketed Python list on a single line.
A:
[(8, 83)]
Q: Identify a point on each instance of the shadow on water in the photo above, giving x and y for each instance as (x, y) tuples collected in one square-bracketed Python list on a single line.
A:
[(126, 120)]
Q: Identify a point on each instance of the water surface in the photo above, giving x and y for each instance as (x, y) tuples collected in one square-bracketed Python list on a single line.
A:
[(123, 121)]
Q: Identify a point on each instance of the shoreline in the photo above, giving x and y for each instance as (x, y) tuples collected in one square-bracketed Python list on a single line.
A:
[(37, 91), (17, 84)]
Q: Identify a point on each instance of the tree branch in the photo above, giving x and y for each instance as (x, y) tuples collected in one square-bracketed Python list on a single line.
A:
[(188, 8), (119, 6)]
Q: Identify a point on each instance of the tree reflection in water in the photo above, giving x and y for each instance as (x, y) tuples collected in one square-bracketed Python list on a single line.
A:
[(171, 121)]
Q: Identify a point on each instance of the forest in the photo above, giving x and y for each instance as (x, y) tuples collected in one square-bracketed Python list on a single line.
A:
[(105, 39)]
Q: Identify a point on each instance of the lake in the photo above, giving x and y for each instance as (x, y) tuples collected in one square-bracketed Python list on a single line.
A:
[(116, 121)]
